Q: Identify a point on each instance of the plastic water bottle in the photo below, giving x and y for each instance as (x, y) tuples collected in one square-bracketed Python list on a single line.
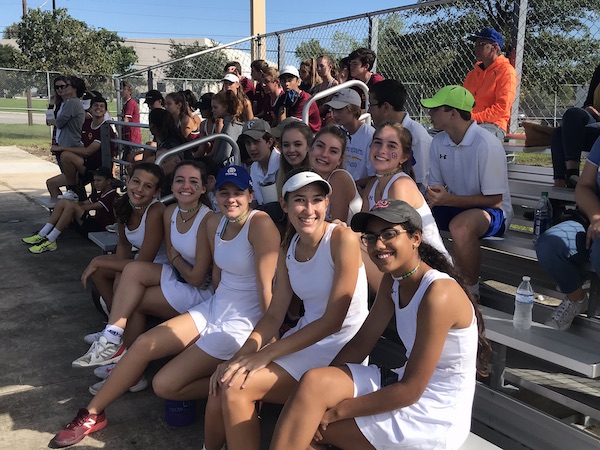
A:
[(523, 305), (543, 216)]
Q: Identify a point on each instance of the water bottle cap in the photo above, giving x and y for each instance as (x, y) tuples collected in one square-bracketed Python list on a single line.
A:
[(544, 194), (526, 278)]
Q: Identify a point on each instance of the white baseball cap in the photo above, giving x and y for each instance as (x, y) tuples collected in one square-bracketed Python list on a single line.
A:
[(231, 77), (302, 179), (291, 70)]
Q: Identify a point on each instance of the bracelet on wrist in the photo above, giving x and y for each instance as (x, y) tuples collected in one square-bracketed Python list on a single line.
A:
[(174, 258)]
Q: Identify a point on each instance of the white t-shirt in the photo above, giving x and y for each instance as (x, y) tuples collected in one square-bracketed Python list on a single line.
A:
[(356, 160), (421, 142), (475, 166), (265, 188)]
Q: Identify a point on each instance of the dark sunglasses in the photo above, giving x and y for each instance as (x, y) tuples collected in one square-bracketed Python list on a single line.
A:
[(60, 86)]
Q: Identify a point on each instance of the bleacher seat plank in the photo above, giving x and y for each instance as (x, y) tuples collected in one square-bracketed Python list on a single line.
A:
[(105, 240)]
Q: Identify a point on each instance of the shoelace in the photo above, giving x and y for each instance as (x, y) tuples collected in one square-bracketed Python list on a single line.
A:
[(563, 309), (77, 421)]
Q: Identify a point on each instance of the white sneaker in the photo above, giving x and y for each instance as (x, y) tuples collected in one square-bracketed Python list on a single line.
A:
[(89, 339), (112, 228), (103, 372), (69, 195), (137, 387), (100, 353), (566, 312)]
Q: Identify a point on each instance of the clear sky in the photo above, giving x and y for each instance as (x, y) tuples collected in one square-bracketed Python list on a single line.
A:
[(223, 21)]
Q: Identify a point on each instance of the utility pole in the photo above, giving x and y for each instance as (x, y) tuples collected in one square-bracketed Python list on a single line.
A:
[(258, 25), (29, 104)]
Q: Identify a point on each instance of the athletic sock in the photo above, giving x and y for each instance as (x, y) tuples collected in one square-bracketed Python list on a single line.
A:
[(113, 334), (53, 235), (46, 229)]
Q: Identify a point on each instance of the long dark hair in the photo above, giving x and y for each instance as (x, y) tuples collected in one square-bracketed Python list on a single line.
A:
[(203, 176), (122, 207), (165, 125), (436, 260)]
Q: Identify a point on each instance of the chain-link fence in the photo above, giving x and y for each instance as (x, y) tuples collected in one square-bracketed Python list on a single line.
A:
[(554, 45)]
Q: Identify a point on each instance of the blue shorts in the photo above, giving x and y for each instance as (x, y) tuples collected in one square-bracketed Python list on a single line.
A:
[(444, 214)]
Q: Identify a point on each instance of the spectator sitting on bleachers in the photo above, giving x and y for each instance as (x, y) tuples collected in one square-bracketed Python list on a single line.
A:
[(345, 105), (77, 162), (320, 262), (140, 224), (493, 83), (130, 113), (209, 124), (164, 129), (326, 157), (227, 106), (343, 70), (66, 212), (260, 98), (273, 92), (265, 160), (292, 102), (387, 103), (231, 83), (154, 99), (162, 290), (579, 129), (468, 183), (186, 121), (391, 159), (295, 139), (361, 63), (244, 245), (426, 403), (247, 85), (309, 76), (327, 70), (564, 249)]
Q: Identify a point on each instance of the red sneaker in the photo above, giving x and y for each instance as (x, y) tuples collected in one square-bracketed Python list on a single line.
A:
[(82, 425)]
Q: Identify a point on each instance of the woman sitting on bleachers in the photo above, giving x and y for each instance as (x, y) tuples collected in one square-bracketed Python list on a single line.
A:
[(140, 224), (564, 249)]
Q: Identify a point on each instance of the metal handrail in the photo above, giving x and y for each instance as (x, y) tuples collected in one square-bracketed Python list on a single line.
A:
[(195, 143), (332, 90)]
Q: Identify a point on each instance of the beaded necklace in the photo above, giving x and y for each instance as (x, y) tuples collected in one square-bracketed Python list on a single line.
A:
[(239, 219), (137, 207), (393, 172), (406, 275)]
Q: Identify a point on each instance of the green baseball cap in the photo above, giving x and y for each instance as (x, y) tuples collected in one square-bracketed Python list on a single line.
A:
[(454, 96)]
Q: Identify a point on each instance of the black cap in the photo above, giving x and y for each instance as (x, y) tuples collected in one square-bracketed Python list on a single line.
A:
[(393, 211), (103, 172), (153, 95)]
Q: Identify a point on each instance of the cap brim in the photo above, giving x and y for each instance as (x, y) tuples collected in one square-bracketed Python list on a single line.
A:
[(430, 103), (336, 104), (238, 183), (304, 183), (254, 134), (359, 220)]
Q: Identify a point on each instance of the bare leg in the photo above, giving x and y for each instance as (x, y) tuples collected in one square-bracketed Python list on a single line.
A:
[(54, 184), (137, 277), (104, 280), (152, 303), (70, 211), (242, 428), (167, 339), (72, 164), (186, 376), (319, 390), (465, 230)]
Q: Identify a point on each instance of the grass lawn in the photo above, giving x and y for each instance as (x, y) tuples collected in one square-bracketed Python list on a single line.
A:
[(38, 105), (25, 136)]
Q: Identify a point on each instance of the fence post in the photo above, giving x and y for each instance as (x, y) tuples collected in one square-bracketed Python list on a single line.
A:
[(518, 41), (105, 145), (281, 51), (373, 38), (150, 80)]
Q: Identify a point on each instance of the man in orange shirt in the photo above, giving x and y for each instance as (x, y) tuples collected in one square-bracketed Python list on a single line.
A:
[(493, 83)]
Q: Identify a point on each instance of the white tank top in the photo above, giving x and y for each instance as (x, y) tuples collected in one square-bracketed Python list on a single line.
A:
[(315, 295), (355, 204), (185, 243), (431, 233), (235, 257), (136, 237)]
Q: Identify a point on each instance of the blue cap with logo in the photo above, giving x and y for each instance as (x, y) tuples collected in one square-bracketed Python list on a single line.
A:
[(489, 34), (234, 174)]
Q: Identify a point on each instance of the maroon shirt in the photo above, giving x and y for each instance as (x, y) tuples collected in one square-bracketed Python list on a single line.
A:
[(88, 136), (314, 118), (105, 215), (131, 110)]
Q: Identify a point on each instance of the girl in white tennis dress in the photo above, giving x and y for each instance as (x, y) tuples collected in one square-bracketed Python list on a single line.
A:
[(322, 266), (245, 244), (427, 403)]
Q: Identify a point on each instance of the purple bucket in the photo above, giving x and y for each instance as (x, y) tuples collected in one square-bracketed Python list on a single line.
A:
[(180, 413)]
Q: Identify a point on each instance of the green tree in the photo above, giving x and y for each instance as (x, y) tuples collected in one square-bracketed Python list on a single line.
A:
[(11, 31), (55, 41), (310, 49), (208, 66), (8, 56)]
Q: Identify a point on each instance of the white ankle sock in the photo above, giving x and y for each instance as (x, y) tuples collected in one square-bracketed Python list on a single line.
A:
[(113, 334), (46, 229), (53, 235)]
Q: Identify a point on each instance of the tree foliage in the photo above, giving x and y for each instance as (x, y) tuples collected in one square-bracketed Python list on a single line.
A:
[(55, 41), (208, 66), (310, 49), (8, 56)]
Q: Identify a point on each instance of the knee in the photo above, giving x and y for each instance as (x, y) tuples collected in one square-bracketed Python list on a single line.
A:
[(462, 231), (132, 271), (162, 385), (314, 382)]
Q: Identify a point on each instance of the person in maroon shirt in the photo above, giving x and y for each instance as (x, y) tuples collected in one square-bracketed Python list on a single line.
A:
[(291, 103), (261, 98), (247, 85), (273, 92), (362, 61), (130, 113)]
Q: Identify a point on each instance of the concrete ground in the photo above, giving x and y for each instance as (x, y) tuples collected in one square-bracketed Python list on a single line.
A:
[(44, 313)]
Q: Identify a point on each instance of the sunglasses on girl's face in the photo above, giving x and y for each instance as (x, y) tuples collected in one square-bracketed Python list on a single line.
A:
[(60, 86)]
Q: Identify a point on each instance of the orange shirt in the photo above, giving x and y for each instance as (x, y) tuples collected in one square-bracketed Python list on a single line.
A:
[(494, 90)]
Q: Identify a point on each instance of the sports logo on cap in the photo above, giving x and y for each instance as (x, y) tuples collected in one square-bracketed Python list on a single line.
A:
[(381, 204), (231, 172)]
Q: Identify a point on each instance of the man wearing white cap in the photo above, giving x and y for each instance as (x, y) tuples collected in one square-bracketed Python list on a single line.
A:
[(346, 107), (292, 102)]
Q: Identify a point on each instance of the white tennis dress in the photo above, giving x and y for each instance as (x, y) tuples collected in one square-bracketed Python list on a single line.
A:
[(180, 295), (312, 281), (431, 233), (136, 238), (441, 418), (226, 320)]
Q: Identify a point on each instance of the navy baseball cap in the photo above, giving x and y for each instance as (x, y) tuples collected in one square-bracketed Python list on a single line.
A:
[(489, 34), (234, 174)]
